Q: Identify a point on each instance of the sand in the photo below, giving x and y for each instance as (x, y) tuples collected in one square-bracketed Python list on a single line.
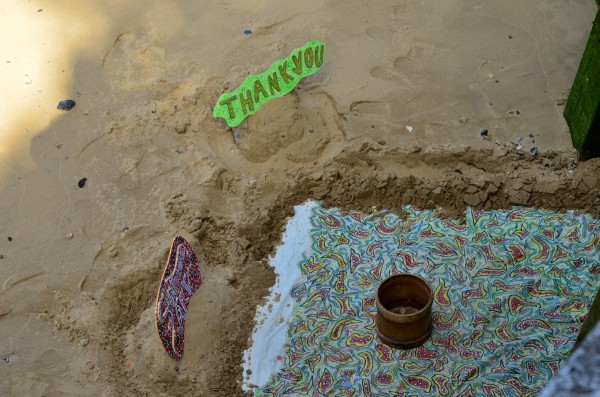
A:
[(76, 314)]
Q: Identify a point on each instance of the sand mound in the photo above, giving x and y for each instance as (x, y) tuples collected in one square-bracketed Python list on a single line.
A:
[(301, 125)]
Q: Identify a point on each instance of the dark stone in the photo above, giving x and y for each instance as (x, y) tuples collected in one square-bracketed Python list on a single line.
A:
[(67, 104), (81, 182)]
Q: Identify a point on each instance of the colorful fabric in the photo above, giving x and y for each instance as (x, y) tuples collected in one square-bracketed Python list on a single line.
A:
[(180, 280), (511, 290)]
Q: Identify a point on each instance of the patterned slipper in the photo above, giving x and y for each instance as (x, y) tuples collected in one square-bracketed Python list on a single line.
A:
[(179, 282)]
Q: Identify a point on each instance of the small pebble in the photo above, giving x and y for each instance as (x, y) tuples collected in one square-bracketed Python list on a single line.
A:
[(177, 368), (238, 136), (483, 133), (509, 36), (518, 144), (81, 182), (125, 229), (10, 239), (517, 112), (6, 359), (247, 31), (531, 135), (534, 151), (67, 104), (1, 256), (69, 235)]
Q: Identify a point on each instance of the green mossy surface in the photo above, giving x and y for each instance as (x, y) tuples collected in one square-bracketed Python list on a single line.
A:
[(583, 106)]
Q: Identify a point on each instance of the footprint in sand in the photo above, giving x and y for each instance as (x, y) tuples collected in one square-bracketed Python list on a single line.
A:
[(393, 37), (414, 69), (414, 66), (301, 127), (416, 14), (376, 108)]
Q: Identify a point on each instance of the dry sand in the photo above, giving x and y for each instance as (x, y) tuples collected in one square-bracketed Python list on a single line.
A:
[(76, 314)]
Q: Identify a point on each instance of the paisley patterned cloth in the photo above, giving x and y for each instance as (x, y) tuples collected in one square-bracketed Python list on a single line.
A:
[(180, 280), (511, 290)]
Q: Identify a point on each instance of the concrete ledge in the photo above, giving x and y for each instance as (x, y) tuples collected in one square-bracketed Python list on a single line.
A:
[(580, 377)]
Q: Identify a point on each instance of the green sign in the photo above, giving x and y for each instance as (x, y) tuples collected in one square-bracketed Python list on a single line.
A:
[(280, 79)]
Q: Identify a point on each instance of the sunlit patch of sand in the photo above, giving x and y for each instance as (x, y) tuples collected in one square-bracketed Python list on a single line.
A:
[(40, 46)]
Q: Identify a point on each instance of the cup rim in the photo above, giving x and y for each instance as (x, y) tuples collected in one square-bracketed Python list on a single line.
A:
[(404, 275)]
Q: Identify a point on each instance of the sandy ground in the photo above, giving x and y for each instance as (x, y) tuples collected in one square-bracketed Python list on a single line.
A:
[(76, 314)]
